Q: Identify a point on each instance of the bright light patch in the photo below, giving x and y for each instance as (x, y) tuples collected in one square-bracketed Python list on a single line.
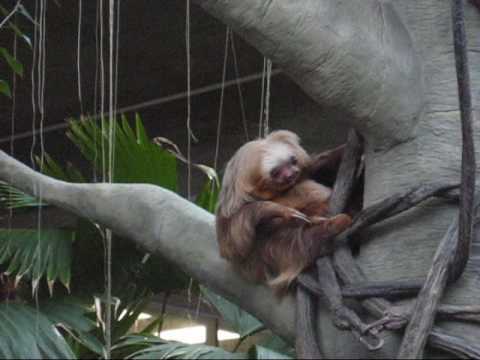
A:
[(223, 335), (144, 316), (122, 314), (189, 335)]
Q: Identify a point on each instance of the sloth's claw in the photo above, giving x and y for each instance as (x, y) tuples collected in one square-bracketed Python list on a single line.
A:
[(301, 216)]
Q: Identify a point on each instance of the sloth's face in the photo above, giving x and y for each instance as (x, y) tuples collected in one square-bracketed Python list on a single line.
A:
[(265, 168), (280, 166)]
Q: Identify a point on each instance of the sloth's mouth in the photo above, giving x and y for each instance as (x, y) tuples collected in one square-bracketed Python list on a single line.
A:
[(287, 183)]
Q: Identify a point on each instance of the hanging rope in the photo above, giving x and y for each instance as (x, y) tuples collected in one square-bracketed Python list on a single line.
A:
[(117, 41), (102, 96), (239, 87), (95, 87), (222, 93), (262, 99), (41, 78), (33, 83), (266, 122), (111, 171), (12, 119), (79, 78), (189, 129)]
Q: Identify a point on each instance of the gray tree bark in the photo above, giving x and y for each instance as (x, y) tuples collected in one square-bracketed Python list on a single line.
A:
[(385, 67)]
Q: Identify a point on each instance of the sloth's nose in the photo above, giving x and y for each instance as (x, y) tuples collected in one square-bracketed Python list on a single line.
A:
[(292, 176)]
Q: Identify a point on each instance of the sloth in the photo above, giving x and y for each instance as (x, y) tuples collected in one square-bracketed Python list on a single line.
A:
[(272, 219)]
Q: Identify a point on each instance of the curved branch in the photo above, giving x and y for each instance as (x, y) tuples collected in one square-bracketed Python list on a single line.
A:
[(164, 223), (453, 252), (347, 56)]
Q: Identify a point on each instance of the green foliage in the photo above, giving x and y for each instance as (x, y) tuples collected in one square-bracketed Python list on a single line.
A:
[(29, 334), (52, 168), (5, 88), (33, 254), (208, 197), (149, 347), (238, 319), (11, 198), (14, 64), (137, 159), (182, 351), (260, 352), (124, 314), (74, 319)]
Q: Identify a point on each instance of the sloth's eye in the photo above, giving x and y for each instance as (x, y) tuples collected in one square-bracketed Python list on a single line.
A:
[(293, 160)]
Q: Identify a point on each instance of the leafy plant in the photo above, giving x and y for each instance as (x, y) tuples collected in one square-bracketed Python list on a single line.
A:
[(238, 319), (13, 63), (34, 254), (26, 333), (137, 158)]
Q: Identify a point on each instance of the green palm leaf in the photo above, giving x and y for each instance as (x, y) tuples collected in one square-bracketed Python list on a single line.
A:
[(239, 320), (207, 199), (28, 334), (11, 198), (74, 319), (184, 351), (136, 158), (260, 352), (35, 254)]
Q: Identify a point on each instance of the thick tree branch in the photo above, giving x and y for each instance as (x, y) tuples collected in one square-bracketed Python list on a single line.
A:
[(306, 343), (394, 205), (453, 252), (328, 285), (164, 223), (349, 56), (421, 321), (395, 317)]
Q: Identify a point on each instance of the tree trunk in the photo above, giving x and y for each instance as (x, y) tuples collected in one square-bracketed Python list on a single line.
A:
[(385, 67)]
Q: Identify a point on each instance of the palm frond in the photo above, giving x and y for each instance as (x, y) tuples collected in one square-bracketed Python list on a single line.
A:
[(52, 168), (34, 254), (260, 352), (74, 319), (137, 159), (11, 198), (184, 351), (28, 334), (239, 320), (207, 199)]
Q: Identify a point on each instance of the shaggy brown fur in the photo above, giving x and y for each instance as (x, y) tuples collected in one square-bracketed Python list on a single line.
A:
[(271, 218)]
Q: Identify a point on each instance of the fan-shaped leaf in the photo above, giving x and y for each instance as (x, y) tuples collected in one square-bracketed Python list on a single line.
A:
[(239, 320), (72, 317), (11, 198), (260, 352), (137, 159), (184, 351), (28, 334), (37, 254)]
